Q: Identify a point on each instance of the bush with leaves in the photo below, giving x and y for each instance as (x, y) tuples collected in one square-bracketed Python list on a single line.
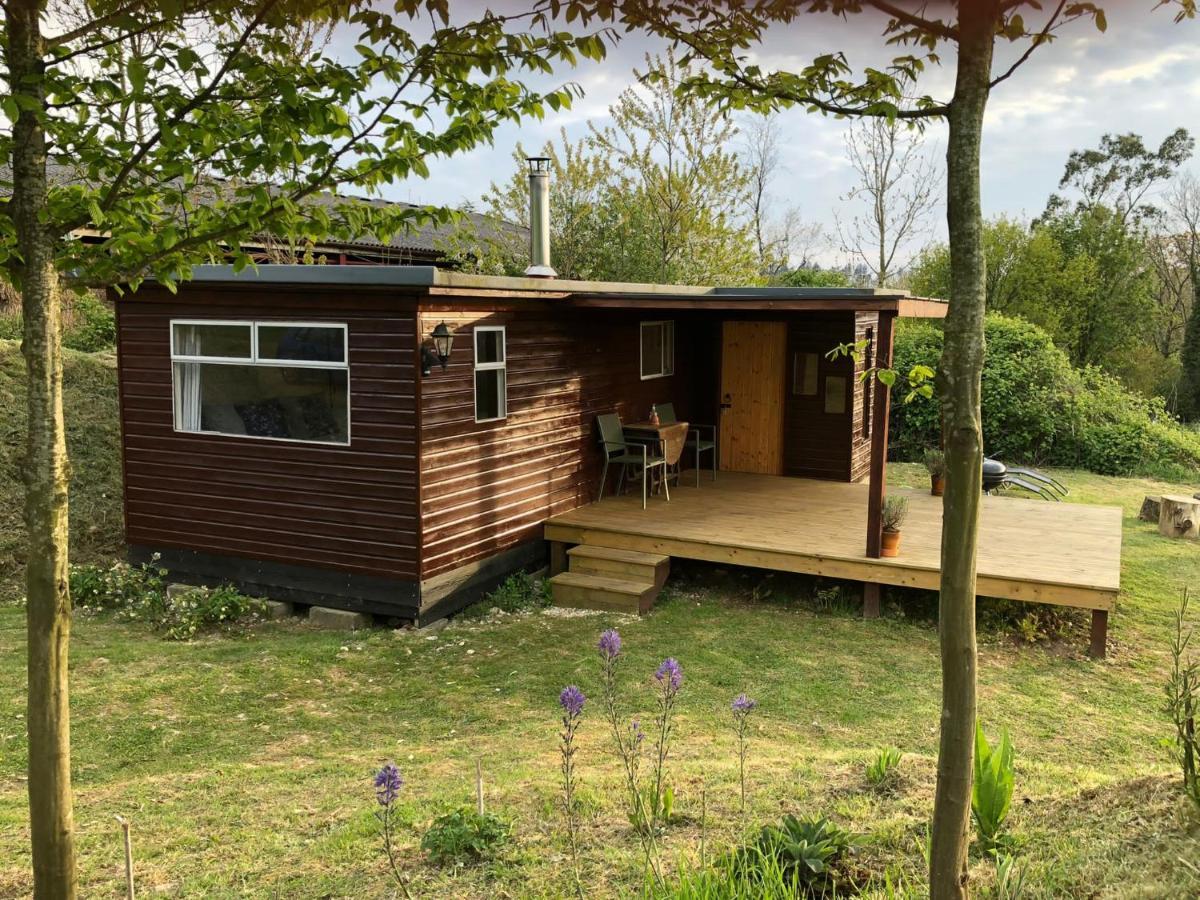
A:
[(517, 593), (992, 790), (189, 612), (139, 594), (807, 852), (1038, 409), (464, 836), (93, 328)]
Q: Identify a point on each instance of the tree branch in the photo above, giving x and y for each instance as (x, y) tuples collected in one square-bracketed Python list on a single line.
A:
[(1034, 42), (94, 25), (941, 29), (134, 160)]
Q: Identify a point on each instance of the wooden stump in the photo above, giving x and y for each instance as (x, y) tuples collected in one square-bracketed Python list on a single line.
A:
[(1151, 507), (1179, 516)]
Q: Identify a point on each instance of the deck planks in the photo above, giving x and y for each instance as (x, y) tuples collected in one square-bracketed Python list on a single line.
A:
[(1029, 549)]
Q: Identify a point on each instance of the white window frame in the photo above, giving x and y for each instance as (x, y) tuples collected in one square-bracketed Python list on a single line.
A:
[(501, 366), (254, 359), (667, 363)]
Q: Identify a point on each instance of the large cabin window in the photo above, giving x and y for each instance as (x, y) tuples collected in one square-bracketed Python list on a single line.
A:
[(284, 380), (657, 349), (491, 362)]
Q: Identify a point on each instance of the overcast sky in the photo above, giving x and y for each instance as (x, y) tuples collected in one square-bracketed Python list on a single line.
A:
[(1143, 76)]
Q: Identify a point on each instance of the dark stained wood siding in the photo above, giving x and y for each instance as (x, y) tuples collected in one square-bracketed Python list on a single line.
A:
[(818, 444), (489, 486), (352, 509)]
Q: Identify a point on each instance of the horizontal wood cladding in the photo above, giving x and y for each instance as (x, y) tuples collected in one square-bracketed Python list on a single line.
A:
[(487, 487), (352, 509), (866, 327), (819, 444)]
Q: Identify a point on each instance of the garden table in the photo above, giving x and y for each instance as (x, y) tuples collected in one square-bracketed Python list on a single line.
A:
[(670, 438)]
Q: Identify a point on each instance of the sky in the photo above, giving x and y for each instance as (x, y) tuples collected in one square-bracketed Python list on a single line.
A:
[(1142, 76)]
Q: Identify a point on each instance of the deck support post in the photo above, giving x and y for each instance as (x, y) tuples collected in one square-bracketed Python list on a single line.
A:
[(881, 403), (558, 557), (872, 596), (1099, 633)]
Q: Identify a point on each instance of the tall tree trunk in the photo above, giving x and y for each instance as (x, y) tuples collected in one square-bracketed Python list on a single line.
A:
[(46, 475), (959, 386)]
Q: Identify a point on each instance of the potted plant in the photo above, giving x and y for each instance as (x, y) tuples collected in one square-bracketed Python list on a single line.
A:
[(895, 511), (935, 462)]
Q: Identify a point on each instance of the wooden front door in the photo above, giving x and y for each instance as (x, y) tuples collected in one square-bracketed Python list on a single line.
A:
[(753, 374)]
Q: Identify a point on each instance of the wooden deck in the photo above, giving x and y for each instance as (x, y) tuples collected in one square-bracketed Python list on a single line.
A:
[(1029, 549)]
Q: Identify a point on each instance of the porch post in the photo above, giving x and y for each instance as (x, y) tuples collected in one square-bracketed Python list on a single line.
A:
[(880, 407), (1099, 633)]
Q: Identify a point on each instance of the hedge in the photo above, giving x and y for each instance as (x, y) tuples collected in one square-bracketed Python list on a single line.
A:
[(1039, 410)]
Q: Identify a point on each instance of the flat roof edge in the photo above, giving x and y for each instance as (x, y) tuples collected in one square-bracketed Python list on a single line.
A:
[(433, 277)]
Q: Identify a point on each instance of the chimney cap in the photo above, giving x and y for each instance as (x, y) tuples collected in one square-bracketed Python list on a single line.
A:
[(538, 163)]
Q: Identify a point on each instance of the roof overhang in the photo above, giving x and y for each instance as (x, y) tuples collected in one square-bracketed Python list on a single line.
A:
[(441, 283)]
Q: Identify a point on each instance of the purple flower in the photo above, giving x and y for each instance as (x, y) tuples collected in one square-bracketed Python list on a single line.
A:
[(610, 644), (670, 674), (743, 704), (636, 735), (571, 699), (388, 782)]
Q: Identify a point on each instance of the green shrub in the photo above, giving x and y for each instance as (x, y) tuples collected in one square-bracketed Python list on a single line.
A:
[(1039, 410), (883, 770), (520, 591), (138, 591), (807, 851), (139, 594), (199, 609), (992, 791), (11, 327), (464, 836), (94, 327)]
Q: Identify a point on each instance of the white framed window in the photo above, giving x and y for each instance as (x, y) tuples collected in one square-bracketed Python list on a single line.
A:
[(491, 374), (287, 381), (657, 349)]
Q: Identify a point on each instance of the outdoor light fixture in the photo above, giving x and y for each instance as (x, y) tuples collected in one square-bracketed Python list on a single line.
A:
[(443, 343)]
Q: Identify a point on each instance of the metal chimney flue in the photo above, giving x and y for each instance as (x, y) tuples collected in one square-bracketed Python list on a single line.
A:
[(539, 218)]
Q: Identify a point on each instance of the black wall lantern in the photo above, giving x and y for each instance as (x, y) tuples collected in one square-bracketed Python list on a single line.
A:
[(443, 342)]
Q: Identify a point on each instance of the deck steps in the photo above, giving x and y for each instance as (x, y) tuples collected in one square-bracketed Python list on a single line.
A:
[(610, 579), (609, 562)]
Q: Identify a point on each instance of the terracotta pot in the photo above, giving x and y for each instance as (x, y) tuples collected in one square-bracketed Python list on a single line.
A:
[(891, 544), (937, 485)]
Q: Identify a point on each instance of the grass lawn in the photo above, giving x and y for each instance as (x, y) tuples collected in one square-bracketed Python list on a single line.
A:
[(244, 760)]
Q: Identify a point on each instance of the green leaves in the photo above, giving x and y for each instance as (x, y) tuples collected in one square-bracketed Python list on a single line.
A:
[(177, 150), (992, 790)]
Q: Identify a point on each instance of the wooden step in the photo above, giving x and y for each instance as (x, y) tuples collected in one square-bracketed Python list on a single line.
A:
[(582, 591), (627, 565)]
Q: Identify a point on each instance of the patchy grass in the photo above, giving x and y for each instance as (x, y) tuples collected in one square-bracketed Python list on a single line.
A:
[(93, 442), (244, 760)]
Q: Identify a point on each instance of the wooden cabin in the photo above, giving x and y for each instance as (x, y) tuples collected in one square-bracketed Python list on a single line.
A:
[(351, 467), (297, 431)]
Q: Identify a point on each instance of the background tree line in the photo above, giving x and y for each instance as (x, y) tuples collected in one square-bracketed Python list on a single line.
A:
[(1109, 267)]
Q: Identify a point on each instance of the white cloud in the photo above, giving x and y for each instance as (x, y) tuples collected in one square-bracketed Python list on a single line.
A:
[(1144, 69)]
